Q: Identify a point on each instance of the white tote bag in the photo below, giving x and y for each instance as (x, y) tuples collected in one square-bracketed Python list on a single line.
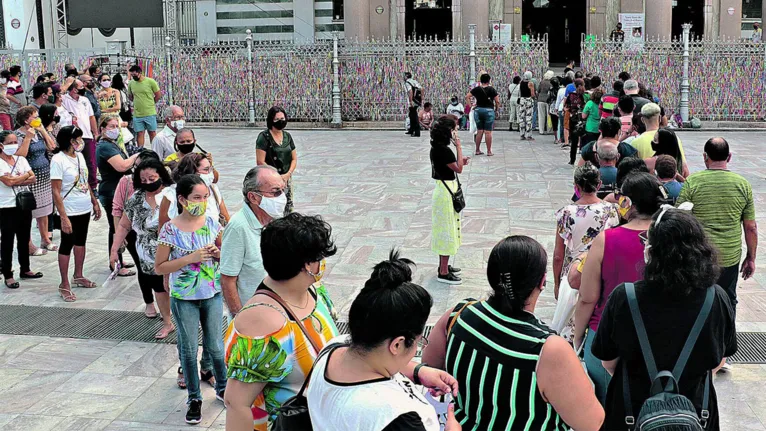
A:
[(563, 317), (472, 117)]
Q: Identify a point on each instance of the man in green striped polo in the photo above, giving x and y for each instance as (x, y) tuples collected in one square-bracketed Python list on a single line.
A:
[(723, 203)]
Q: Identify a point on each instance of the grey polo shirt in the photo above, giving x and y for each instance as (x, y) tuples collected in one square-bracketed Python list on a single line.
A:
[(241, 252)]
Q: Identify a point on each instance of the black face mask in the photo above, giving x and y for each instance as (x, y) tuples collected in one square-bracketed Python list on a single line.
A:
[(51, 99), (152, 187), (136, 78), (280, 124), (186, 149), (56, 119), (81, 92)]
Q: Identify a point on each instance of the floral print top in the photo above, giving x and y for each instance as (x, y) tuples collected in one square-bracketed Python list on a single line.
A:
[(579, 225), (282, 359), (145, 222), (200, 280)]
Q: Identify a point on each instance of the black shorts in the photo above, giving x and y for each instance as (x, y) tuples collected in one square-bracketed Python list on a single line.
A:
[(79, 234)]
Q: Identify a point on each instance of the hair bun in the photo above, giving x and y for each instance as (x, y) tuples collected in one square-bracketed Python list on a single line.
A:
[(392, 273)]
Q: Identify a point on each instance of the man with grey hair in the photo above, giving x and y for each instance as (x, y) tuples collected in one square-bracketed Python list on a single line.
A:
[(631, 89), (164, 142), (608, 156), (241, 263)]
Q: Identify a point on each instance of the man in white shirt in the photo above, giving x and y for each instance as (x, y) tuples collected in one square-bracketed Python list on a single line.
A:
[(164, 143), (75, 102)]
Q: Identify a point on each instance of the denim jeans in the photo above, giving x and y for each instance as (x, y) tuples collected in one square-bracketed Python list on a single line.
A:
[(596, 370), (189, 316)]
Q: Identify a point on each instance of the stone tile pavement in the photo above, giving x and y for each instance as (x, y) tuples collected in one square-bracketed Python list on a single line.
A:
[(374, 188)]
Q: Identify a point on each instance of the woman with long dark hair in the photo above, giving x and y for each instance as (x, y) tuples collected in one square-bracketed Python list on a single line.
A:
[(445, 221), (75, 202), (680, 273), (276, 148), (665, 142), (616, 256), (351, 378), (513, 371)]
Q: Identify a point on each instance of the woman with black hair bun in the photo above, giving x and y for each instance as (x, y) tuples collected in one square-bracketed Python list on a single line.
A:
[(514, 372), (616, 256), (374, 363)]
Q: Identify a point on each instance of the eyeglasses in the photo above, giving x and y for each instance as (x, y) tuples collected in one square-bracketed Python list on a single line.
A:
[(422, 342), (644, 237), (272, 193)]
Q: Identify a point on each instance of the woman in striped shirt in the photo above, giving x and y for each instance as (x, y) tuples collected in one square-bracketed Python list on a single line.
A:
[(514, 372)]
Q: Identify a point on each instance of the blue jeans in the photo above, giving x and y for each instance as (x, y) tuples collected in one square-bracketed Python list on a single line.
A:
[(561, 126), (596, 370), (534, 115), (485, 119), (189, 315)]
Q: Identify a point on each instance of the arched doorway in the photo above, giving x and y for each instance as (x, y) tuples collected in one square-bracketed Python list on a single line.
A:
[(689, 11), (428, 19), (563, 20)]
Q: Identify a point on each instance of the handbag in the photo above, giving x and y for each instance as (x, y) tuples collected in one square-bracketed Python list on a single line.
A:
[(293, 415), (221, 219), (25, 199), (458, 199)]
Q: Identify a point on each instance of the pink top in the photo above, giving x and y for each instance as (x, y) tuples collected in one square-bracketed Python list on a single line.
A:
[(623, 263), (121, 195)]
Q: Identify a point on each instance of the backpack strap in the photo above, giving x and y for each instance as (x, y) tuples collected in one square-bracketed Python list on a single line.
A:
[(643, 338), (694, 334)]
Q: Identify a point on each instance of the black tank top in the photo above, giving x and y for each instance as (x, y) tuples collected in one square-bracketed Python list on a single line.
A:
[(524, 90)]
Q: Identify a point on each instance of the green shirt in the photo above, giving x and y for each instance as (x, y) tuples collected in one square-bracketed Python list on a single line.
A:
[(643, 144), (143, 96), (722, 200), (278, 156), (594, 117)]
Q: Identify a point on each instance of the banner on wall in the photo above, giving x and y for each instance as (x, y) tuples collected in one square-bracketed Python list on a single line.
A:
[(634, 26), (502, 33)]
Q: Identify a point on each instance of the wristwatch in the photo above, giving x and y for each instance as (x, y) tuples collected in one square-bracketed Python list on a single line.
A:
[(415, 378)]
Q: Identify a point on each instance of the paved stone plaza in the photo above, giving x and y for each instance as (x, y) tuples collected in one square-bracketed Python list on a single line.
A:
[(374, 188)]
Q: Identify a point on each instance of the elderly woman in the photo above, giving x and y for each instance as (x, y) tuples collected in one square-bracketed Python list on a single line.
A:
[(616, 256), (445, 221), (288, 314), (14, 223), (35, 144), (678, 285), (527, 97), (513, 371), (350, 378), (275, 147), (543, 93)]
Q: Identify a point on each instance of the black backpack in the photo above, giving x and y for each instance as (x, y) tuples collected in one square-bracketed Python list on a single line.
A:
[(666, 409), (417, 95)]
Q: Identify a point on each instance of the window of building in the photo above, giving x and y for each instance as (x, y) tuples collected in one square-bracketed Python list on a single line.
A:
[(257, 29), (337, 10), (751, 9), (255, 14), (328, 27), (319, 13), (250, 2)]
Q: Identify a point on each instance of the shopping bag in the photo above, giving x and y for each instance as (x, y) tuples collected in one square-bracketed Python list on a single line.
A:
[(472, 128), (563, 317)]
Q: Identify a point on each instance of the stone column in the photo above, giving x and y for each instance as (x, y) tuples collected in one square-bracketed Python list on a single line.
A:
[(711, 10), (476, 12), (611, 13), (392, 21), (730, 25), (356, 18), (458, 32), (400, 11), (659, 18)]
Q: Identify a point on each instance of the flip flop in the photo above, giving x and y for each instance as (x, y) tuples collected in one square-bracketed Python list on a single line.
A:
[(128, 265), (479, 153), (130, 273), (51, 247), (490, 154), (83, 282), (39, 252)]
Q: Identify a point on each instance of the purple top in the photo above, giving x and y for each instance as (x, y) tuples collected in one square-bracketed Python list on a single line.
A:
[(623, 263)]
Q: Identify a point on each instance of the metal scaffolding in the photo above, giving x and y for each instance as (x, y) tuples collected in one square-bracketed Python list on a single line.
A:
[(62, 35), (171, 29)]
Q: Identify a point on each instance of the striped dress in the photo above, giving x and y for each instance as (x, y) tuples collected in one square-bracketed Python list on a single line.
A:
[(494, 358)]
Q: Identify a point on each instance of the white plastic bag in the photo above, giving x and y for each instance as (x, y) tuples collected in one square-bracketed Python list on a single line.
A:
[(563, 317), (473, 121)]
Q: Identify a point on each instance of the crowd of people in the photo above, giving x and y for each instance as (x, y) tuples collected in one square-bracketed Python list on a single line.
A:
[(644, 246)]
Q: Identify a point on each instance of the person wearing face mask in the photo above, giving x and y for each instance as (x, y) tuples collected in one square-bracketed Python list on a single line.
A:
[(90, 88), (275, 147), (51, 121), (14, 223), (189, 251), (35, 145), (41, 94), (185, 143), (241, 264), (113, 163), (5, 105), (144, 93), (616, 256), (75, 202), (194, 163), (164, 144), (108, 97), (141, 215), (294, 248), (15, 92), (456, 109), (83, 117)]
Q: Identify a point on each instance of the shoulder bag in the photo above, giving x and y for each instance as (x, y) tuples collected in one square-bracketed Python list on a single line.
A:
[(25, 199), (271, 151), (458, 199), (293, 415)]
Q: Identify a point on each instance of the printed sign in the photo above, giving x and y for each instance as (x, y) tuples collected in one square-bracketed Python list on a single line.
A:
[(633, 24)]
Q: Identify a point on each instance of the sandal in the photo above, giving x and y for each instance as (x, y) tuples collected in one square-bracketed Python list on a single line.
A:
[(38, 252), (128, 273), (66, 294), (479, 153), (26, 275), (207, 376), (490, 154), (83, 282), (128, 265), (180, 381), (14, 285), (51, 247)]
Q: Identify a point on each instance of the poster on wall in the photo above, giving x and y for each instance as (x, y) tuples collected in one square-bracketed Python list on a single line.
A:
[(502, 33), (634, 27)]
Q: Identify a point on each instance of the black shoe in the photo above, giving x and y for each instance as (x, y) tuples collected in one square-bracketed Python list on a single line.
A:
[(220, 394), (407, 133), (416, 136), (450, 278), (454, 270), (207, 377), (194, 412), (25, 276)]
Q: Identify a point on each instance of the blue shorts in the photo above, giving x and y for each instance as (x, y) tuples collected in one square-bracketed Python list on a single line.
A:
[(145, 123), (485, 119)]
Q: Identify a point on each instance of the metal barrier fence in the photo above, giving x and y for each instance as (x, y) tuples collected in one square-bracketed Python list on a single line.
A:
[(727, 77), (212, 82)]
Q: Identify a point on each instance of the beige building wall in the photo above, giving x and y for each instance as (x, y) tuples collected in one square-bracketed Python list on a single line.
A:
[(659, 18), (730, 25), (476, 12)]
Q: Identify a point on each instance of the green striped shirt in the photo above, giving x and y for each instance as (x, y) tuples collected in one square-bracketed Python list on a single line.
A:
[(722, 200)]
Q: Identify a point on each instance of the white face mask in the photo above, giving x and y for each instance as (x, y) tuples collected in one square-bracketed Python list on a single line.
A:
[(274, 207), (178, 124), (106, 84), (208, 178), (3, 80), (10, 149), (112, 134)]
